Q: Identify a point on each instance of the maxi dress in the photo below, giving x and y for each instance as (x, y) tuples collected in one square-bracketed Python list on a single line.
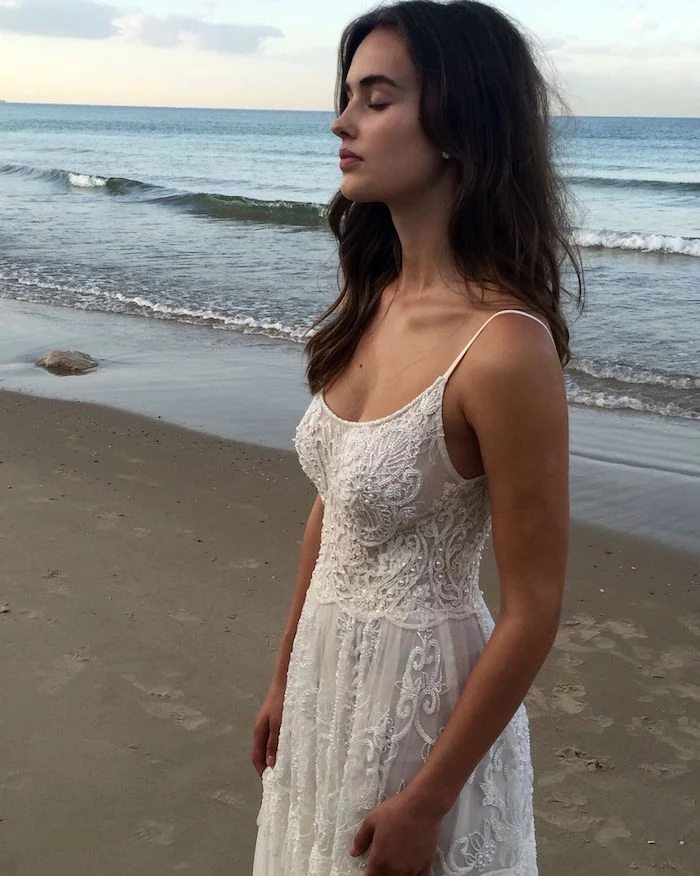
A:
[(392, 624)]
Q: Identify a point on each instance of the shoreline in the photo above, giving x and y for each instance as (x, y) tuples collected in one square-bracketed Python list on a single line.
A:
[(147, 575), (631, 473)]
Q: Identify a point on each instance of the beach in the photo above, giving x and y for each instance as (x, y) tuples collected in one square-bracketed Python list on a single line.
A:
[(151, 511), (147, 572)]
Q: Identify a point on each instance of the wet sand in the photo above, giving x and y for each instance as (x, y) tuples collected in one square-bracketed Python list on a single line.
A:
[(146, 576), (631, 472)]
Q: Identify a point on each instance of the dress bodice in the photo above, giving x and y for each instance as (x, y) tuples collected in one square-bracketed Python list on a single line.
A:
[(403, 532)]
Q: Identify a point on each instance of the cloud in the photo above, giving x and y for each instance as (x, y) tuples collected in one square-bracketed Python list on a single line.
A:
[(86, 19), (553, 43), (594, 49), (173, 30), (80, 19), (641, 24), (660, 48)]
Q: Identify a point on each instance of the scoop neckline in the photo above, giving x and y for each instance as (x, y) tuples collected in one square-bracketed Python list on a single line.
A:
[(378, 420), (461, 480)]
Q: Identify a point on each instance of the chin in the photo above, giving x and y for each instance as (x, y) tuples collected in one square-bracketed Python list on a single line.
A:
[(361, 192)]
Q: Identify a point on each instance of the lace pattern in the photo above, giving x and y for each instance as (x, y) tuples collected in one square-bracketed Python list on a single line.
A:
[(391, 627), (397, 542), (356, 730)]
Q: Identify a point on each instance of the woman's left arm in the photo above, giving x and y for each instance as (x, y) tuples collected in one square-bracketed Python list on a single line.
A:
[(514, 397)]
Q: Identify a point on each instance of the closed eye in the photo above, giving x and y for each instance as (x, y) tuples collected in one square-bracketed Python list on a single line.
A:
[(377, 106)]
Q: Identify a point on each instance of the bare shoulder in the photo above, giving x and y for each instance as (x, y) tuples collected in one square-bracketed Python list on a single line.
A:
[(514, 334), (513, 396), (513, 354)]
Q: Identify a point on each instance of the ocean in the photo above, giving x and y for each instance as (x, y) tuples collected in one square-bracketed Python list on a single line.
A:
[(216, 218)]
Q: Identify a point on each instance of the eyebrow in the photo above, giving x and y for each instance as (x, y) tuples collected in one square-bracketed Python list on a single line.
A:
[(373, 79)]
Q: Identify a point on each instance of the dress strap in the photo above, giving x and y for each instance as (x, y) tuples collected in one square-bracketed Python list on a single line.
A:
[(493, 316)]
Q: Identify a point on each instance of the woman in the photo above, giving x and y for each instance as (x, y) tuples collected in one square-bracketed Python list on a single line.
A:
[(393, 740)]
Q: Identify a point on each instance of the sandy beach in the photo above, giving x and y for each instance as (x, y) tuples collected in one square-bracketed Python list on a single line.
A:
[(146, 575)]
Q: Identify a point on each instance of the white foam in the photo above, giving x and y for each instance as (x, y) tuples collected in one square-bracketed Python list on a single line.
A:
[(634, 374), (630, 240), (243, 322), (611, 402), (86, 181)]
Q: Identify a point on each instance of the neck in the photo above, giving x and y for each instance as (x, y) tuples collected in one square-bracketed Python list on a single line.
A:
[(426, 255)]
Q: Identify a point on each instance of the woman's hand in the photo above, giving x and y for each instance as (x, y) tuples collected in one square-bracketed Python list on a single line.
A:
[(266, 729), (401, 837)]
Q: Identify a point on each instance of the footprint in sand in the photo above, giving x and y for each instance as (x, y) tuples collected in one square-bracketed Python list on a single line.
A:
[(610, 829), (65, 668), (665, 770), (249, 563), (689, 726), (571, 814), (568, 661), (15, 782), (108, 520), (604, 643), (567, 697), (599, 723), (185, 617), (624, 630), (161, 692), (685, 743), (156, 832), (567, 813), (576, 760), (137, 480), (35, 614), (691, 622), (687, 691), (573, 760), (574, 633), (56, 586), (536, 703), (183, 716), (229, 798), (680, 657)]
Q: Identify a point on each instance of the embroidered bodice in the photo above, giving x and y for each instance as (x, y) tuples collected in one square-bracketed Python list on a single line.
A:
[(403, 531)]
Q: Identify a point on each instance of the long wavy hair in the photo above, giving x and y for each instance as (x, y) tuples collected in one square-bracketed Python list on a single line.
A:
[(484, 102)]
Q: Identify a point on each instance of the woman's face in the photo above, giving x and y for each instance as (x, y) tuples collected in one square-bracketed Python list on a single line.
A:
[(381, 126)]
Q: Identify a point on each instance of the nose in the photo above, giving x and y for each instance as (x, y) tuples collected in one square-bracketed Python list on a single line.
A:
[(341, 126)]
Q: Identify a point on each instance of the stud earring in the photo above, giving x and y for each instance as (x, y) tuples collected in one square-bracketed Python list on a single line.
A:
[(446, 156)]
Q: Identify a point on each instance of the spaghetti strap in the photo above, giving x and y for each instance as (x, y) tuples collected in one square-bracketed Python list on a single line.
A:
[(475, 336)]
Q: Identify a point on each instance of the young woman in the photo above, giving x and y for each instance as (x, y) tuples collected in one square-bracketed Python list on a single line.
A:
[(393, 740)]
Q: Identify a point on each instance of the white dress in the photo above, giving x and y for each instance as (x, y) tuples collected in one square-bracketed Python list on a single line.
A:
[(393, 622)]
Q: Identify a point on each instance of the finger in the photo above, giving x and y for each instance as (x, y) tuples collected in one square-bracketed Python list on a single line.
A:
[(362, 839), (260, 734), (272, 742)]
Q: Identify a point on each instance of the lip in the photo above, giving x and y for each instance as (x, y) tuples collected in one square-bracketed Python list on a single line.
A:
[(348, 159)]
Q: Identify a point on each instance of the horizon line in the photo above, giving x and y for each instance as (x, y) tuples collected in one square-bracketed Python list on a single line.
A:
[(5, 102)]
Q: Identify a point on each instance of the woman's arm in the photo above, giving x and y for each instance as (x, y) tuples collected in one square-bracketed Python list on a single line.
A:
[(514, 397), (309, 555)]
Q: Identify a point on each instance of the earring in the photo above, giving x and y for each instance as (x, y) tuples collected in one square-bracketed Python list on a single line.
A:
[(446, 156)]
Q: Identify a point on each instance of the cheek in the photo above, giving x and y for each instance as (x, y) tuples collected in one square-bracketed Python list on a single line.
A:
[(400, 158), (407, 151)]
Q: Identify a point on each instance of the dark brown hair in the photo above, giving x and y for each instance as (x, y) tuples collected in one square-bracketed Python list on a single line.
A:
[(484, 102)]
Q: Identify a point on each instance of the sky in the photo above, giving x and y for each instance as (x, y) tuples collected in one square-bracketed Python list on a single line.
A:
[(609, 57)]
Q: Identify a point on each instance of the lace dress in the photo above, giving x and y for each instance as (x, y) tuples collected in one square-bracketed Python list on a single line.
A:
[(393, 622)]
